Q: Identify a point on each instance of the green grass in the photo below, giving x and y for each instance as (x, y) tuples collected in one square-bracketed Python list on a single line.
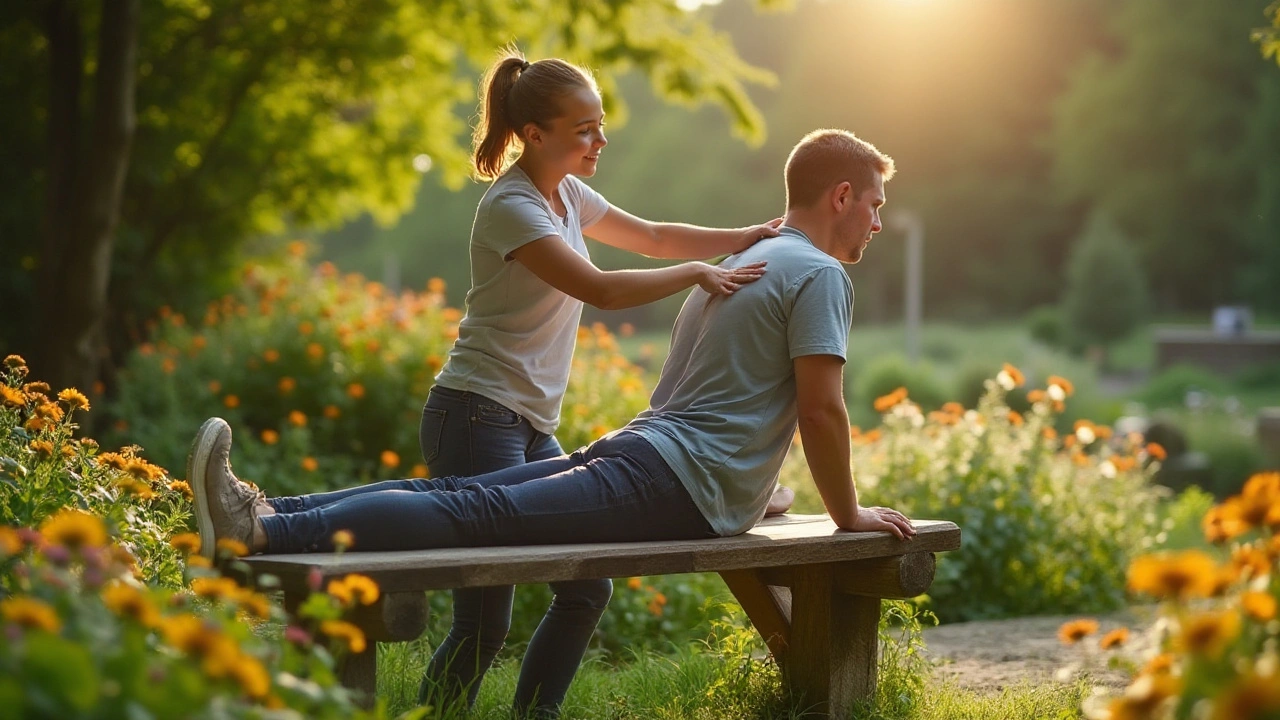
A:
[(703, 684)]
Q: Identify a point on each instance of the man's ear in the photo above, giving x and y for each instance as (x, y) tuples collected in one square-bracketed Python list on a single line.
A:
[(841, 195)]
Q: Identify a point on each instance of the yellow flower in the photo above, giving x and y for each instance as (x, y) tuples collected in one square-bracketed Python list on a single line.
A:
[(192, 636), (129, 602), (215, 588), (13, 362), (343, 539), (1180, 576), (198, 561), (353, 635), (232, 547), (183, 487), (297, 418), (251, 676), (253, 603), (12, 397), (50, 412), (74, 529), (1114, 639), (140, 469), (1250, 696), (30, 613), (270, 437), (435, 286), (185, 542), (363, 588), (339, 590), (1076, 630), (11, 543), (389, 458), (1259, 605), (43, 448), (1145, 698), (1209, 633), (40, 388)]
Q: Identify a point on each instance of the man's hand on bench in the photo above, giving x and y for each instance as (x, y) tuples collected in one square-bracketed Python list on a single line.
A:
[(871, 519), (781, 500)]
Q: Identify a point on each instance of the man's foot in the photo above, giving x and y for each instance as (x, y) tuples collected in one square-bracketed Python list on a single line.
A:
[(225, 506)]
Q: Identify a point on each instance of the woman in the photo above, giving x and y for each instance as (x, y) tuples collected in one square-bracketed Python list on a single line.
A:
[(496, 401)]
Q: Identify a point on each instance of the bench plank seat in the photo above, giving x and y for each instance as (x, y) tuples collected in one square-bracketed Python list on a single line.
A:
[(812, 590)]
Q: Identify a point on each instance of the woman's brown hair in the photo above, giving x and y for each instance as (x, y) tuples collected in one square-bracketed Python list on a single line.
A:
[(514, 93)]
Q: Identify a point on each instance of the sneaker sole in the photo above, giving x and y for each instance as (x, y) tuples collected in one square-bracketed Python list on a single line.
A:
[(197, 466)]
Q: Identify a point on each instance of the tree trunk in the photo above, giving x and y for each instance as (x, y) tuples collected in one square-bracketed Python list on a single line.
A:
[(79, 247)]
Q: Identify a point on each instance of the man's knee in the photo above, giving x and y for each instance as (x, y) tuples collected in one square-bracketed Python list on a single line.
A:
[(592, 594)]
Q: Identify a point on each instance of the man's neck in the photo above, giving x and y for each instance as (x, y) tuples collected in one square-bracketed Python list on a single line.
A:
[(818, 232)]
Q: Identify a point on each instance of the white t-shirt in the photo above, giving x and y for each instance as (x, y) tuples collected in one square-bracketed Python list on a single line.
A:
[(515, 343)]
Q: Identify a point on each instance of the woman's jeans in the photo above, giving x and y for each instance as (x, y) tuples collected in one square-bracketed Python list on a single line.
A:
[(617, 489)]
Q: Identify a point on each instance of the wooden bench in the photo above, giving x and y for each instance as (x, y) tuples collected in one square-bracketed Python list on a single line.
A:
[(811, 590)]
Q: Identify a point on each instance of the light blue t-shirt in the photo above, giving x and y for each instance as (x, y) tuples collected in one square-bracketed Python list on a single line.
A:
[(515, 343), (724, 412)]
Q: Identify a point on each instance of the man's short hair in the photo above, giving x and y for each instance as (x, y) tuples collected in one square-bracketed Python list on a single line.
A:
[(825, 158)]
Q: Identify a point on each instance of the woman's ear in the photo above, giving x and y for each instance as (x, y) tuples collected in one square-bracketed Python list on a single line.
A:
[(531, 134)]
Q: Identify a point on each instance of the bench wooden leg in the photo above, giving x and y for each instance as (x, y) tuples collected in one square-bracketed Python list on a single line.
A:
[(831, 659), (395, 617)]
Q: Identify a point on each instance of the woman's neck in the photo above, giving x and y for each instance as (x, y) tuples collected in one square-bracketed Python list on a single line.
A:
[(545, 179)]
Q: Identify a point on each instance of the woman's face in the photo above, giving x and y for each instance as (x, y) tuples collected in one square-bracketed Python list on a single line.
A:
[(572, 142)]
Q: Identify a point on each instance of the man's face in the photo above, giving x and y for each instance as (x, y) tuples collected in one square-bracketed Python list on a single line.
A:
[(861, 220)]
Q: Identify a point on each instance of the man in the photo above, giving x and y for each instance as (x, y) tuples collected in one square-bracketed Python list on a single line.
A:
[(702, 461)]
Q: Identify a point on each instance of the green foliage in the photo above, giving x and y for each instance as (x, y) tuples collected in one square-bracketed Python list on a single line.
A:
[(44, 468), (1050, 522), (1184, 513), (1169, 388), (1045, 324), (888, 372), (1106, 293), (323, 378), (1203, 220), (255, 117), (1269, 38), (1230, 446)]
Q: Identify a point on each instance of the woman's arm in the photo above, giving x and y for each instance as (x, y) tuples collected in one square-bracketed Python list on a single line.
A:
[(674, 241), (556, 264)]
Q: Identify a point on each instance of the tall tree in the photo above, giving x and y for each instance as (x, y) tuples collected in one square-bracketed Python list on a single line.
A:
[(1164, 134), (254, 115)]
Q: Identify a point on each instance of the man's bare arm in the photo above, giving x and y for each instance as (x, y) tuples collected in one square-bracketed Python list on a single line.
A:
[(824, 431)]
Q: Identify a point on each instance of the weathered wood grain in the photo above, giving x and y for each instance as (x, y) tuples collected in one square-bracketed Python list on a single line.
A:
[(788, 540)]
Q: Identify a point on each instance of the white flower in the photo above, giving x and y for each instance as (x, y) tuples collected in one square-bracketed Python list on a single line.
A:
[(1086, 436), (1107, 469), (1006, 381), (1055, 392)]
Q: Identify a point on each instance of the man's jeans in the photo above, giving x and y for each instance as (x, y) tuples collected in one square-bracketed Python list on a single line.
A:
[(617, 489)]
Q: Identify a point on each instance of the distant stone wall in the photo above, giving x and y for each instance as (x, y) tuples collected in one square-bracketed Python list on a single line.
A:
[(1225, 354)]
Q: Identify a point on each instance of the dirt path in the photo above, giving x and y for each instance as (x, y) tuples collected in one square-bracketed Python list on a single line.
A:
[(993, 655)]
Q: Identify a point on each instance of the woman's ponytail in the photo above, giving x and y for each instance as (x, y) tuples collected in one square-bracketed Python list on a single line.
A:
[(506, 107)]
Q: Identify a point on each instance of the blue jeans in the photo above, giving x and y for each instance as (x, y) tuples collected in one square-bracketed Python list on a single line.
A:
[(618, 489)]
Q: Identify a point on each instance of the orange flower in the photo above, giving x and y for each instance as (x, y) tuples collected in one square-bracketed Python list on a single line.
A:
[(352, 635), (1014, 374), (1209, 633), (287, 385), (1156, 451), (885, 402), (419, 471), (1063, 383), (1250, 696), (1035, 396), (315, 351), (1074, 631), (1174, 575), (309, 464), (355, 390), (231, 401), (30, 613), (343, 539), (74, 529), (230, 546), (270, 437), (12, 397), (271, 355), (306, 327), (332, 412), (435, 286), (389, 458), (1015, 418), (1259, 605), (185, 542), (182, 486), (634, 583), (297, 419), (1114, 639)]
